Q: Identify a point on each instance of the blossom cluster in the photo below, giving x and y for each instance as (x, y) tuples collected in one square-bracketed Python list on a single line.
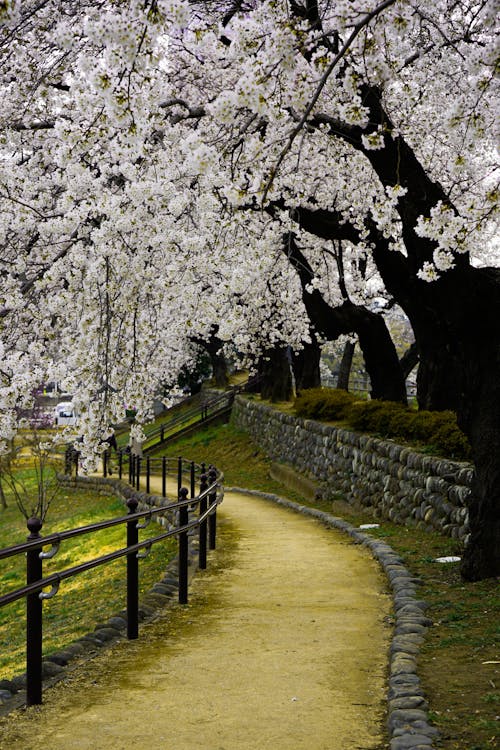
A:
[(154, 158)]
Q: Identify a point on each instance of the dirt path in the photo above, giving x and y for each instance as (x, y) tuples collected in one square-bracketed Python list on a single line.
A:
[(283, 646)]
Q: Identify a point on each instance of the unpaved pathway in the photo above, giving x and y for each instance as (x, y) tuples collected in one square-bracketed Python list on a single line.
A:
[(282, 647)]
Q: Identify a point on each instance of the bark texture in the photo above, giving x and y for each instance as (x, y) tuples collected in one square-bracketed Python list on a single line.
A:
[(345, 366), (275, 375), (305, 365)]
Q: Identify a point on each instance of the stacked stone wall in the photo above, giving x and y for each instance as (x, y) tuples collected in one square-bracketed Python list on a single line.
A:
[(398, 483)]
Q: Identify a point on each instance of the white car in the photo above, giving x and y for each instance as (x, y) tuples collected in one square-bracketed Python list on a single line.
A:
[(65, 414)]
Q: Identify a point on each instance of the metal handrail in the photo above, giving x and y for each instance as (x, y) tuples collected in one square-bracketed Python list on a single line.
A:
[(207, 500), (62, 575), (223, 401), (58, 537), (212, 407)]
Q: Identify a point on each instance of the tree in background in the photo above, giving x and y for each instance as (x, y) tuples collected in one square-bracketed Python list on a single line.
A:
[(144, 142)]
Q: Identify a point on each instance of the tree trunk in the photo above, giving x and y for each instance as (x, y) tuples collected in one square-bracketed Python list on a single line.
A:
[(213, 345), (455, 320), (379, 352), (3, 500), (305, 364), (276, 378), (409, 360), (345, 366), (219, 369), (481, 558), (470, 367)]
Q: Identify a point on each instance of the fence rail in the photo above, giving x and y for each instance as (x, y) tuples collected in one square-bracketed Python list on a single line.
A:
[(189, 512), (192, 418)]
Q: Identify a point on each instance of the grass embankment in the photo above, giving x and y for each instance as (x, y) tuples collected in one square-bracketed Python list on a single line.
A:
[(83, 601), (185, 413), (459, 664)]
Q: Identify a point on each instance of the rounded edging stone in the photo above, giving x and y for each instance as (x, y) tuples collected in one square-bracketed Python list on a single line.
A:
[(408, 726)]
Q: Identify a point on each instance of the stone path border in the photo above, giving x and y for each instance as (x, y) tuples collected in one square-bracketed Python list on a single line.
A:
[(408, 724)]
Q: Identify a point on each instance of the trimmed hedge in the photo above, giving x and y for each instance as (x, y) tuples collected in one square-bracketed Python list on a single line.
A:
[(323, 403), (437, 429)]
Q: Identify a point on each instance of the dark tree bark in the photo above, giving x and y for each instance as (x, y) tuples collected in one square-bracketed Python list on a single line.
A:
[(345, 366), (482, 556), (305, 365), (455, 322), (379, 352), (461, 366), (409, 360), (219, 369), (213, 345), (275, 375)]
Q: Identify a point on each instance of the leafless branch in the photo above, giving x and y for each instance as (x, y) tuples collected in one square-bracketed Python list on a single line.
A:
[(326, 75)]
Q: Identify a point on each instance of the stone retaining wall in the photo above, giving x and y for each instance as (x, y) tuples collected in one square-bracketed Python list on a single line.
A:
[(398, 483)]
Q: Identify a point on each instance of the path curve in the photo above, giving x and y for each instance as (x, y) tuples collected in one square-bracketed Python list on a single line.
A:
[(282, 646)]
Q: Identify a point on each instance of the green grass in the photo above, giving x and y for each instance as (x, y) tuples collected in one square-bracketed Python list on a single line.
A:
[(84, 600), (461, 686)]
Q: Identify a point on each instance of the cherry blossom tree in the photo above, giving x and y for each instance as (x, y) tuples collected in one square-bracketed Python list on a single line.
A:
[(144, 144)]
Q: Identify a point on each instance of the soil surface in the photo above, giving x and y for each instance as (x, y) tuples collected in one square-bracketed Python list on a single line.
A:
[(284, 644)]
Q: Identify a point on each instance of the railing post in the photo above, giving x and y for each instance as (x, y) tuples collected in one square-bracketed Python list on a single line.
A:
[(68, 460), (138, 472), (212, 519), (120, 463), (148, 474), (105, 464), (164, 476), (183, 549), (132, 574), (179, 474), (193, 487), (202, 555), (131, 469), (33, 620)]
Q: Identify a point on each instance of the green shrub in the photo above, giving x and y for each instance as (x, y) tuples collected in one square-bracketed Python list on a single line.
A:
[(323, 403), (437, 429), (451, 441), (426, 423), (307, 404), (400, 423), (374, 416)]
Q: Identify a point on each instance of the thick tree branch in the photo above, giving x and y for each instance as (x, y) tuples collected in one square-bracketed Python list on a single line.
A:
[(378, 349), (324, 78), (396, 164)]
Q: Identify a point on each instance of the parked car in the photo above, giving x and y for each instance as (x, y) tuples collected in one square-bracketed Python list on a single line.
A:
[(65, 414)]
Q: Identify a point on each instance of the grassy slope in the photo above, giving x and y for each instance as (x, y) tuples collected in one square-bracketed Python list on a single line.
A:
[(463, 689), (84, 600)]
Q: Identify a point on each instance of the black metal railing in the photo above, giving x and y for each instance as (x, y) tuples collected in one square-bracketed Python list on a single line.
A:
[(193, 417), (189, 419), (190, 511)]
